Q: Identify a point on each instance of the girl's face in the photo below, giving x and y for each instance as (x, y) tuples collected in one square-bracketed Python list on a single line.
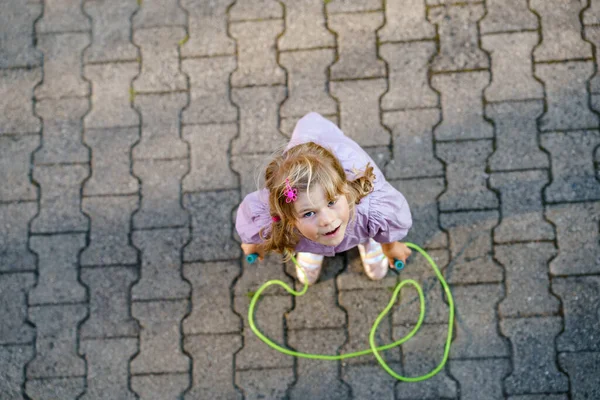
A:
[(319, 219)]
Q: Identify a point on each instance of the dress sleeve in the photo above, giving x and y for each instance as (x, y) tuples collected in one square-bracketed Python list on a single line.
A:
[(253, 214), (389, 215)]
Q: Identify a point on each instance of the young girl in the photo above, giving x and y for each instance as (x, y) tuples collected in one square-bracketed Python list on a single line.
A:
[(325, 195)]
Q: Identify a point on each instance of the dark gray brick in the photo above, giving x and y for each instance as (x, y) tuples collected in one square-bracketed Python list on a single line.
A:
[(581, 301), (157, 14), (357, 45), (160, 349), (522, 209), (592, 34), (213, 366), (255, 9), (516, 136), (369, 381), (16, 44), (351, 6), (15, 165), (12, 366), (60, 198), (354, 277), (305, 26), (16, 93), (14, 329), (462, 107), (14, 253), (109, 304), (207, 27), (582, 370), (539, 397), (534, 355), (55, 388), (480, 379), (381, 155), (161, 264), (253, 276), (507, 16), (57, 267), (107, 362), (265, 383), (406, 21), (61, 16), (56, 341), (62, 131), (160, 387), (211, 304)]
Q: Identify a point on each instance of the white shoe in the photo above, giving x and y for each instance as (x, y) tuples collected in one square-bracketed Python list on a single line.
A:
[(375, 263), (309, 266)]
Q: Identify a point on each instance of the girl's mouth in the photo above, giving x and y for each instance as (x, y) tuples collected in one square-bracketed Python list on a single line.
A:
[(333, 232)]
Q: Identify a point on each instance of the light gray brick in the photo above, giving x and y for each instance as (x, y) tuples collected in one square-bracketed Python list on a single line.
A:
[(207, 27), (16, 95), (110, 95), (539, 397), (255, 10), (152, 14), (406, 20), (16, 43), (14, 252), (12, 366), (580, 298), (592, 14), (62, 65), (15, 165), (13, 291), (577, 234), (480, 378), (457, 30), (209, 90), (62, 131), (160, 200), (288, 124), (592, 34), (160, 60), (408, 65), (107, 362), (561, 30), (359, 110), (357, 45), (352, 6), (368, 381), (62, 16), (110, 30), (160, 387), (305, 26), (253, 276), (534, 356), (381, 155), (161, 265), (250, 168), (508, 16), (55, 388), (109, 304), (57, 267), (582, 368), (60, 198), (265, 383), (462, 106), (521, 204), (516, 136), (56, 341)]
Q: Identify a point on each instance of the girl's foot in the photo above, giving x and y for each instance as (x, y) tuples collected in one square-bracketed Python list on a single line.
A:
[(311, 267), (375, 263)]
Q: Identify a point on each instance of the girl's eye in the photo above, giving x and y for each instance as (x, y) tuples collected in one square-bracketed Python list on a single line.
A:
[(332, 202), (308, 214)]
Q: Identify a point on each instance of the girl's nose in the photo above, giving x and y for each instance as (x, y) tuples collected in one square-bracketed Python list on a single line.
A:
[(327, 217)]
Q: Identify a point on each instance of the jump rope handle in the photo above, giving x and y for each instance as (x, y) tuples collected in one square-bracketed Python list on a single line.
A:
[(251, 258)]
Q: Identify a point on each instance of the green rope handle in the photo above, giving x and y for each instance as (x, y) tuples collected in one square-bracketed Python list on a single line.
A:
[(373, 348)]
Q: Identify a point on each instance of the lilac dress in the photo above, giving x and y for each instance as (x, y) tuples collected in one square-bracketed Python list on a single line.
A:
[(383, 214)]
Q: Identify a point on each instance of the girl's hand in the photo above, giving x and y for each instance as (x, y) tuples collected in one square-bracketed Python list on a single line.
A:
[(254, 248), (396, 251)]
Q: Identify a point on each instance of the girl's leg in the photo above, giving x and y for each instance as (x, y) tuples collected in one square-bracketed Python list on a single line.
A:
[(374, 261), (311, 266)]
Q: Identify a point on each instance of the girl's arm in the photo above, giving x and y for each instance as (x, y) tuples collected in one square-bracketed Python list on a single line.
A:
[(253, 215)]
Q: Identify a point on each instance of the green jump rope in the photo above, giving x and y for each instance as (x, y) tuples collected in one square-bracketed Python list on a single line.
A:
[(373, 348)]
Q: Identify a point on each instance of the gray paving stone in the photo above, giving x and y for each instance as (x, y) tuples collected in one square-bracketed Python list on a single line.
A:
[(516, 136), (209, 170), (160, 344), (14, 252), (381, 155), (212, 311), (573, 171), (207, 27), (62, 131), (56, 341), (160, 201), (507, 16), (16, 44), (580, 297), (209, 90), (462, 106), (62, 65), (305, 26), (287, 124), (512, 67), (258, 119), (406, 21), (581, 368), (60, 198), (480, 378), (408, 65), (160, 387), (15, 329), (213, 366), (160, 59), (592, 34), (357, 45), (561, 30), (307, 82), (152, 14), (110, 31), (369, 381), (161, 264), (457, 30), (110, 95), (253, 276), (109, 306), (577, 234), (539, 397), (521, 204), (15, 164), (592, 14), (359, 110), (566, 95), (352, 6), (465, 178), (12, 366), (16, 93), (57, 281), (534, 356), (111, 161), (62, 16), (527, 282), (476, 323), (107, 362), (265, 383), (55, 388), (354, 278), (255, 10)]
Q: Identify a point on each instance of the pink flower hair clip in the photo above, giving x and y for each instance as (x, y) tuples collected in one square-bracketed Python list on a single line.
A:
[(291, 193)]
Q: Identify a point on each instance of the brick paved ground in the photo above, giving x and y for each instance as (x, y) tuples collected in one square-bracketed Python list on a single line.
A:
[(130, 130)]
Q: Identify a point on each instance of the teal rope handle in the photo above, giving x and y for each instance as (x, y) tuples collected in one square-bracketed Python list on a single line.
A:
[(373, 348)]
